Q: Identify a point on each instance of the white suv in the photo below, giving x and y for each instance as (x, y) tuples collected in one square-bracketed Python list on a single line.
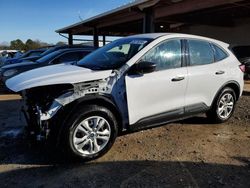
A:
[(132, 83)]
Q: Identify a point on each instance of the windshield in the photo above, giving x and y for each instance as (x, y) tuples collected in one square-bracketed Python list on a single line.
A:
[(114, 54), (48, 57)]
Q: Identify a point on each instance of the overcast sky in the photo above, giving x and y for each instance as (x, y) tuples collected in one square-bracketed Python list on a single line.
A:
[(38, 19)]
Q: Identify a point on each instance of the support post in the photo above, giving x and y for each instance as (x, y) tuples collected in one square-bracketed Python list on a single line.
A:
[(148, 21), (70, 39), (95, 37), (103, 40)]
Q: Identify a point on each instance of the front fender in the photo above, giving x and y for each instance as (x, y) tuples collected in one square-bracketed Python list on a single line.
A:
[(62, 116)]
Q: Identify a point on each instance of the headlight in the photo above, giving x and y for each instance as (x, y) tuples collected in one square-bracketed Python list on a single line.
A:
[(9, 72)]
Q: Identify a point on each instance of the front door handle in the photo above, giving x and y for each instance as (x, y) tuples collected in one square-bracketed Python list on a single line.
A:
[(177, 79), (219, 72)]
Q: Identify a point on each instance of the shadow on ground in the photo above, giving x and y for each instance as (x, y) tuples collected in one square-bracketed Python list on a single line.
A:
[(130, 174), (246, 93), (24, 165)]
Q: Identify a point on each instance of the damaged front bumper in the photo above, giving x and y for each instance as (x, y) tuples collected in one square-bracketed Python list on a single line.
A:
[(38, 119)]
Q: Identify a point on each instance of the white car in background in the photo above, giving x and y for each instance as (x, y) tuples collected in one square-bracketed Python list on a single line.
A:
[(132, 83)]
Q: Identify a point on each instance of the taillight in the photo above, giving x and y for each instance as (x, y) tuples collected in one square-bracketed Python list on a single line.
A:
[(242, 68)]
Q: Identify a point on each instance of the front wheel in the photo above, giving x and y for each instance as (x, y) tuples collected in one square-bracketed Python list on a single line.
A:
[(90, 132), (223, 106)]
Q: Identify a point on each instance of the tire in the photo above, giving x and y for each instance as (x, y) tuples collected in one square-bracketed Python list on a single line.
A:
[(80, 139), (223, 106)]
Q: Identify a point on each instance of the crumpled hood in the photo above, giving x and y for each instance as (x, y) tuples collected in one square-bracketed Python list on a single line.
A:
[(54, 74)]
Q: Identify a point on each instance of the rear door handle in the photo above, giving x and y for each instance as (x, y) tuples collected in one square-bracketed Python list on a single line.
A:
[(219, 72), (177, 79)]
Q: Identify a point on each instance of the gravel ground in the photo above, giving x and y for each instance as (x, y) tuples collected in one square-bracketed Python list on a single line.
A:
[(189, 153)]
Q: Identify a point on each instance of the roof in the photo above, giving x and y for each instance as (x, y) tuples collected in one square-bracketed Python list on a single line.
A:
[(181, 35), (150, 35), (129, 5), (128, 19), (129, 11)]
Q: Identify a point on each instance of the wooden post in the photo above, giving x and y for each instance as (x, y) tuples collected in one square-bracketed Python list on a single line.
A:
[(95, 37), (70, 39), (103, 40), (148, 21)]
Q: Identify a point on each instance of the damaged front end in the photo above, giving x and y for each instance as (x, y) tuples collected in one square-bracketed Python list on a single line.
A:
[(50, 90), (40, 106)]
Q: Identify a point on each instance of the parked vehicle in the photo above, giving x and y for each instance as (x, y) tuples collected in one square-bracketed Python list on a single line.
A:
[(29, 55), (60, 56), (246, 62), (5, 55), (132, 83), (45, 51), (8, 53), (243, 54)]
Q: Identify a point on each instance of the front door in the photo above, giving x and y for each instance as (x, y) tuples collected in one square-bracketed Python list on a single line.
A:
[(162, 91)]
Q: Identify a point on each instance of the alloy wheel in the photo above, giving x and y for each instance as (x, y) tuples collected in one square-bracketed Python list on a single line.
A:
[(225, 106), (91, 135)]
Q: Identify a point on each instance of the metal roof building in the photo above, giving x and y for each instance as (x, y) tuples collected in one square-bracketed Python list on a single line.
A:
[(205, 17)]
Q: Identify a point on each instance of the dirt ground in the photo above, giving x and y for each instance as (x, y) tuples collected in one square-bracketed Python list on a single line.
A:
[(189, 153)]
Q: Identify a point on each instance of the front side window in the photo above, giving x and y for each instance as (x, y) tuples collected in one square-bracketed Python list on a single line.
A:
[(82, 54), (200, 53), (166, 55), (114, 54)]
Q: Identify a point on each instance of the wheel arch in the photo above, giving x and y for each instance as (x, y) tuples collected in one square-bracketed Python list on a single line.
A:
[(233, 85), (100, 100)]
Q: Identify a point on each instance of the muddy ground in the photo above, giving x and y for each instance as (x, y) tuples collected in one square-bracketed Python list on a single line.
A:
[(189, 153)]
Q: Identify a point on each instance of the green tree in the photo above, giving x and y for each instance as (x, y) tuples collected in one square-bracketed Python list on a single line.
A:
[(17, 45), (30, 45), (60, 43)]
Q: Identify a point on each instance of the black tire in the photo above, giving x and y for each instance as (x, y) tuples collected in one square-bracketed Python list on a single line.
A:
[(213, 113), (75, 119)]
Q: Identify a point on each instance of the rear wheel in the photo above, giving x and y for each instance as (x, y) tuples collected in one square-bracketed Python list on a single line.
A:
[(223, 106), (90, 132)]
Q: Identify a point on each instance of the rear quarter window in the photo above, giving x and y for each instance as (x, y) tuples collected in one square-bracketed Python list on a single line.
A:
[(219, 54)]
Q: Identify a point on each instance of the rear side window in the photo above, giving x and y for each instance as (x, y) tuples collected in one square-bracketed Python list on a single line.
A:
[(82, 54), (67, 57), (34, 54), (219, 54), (200, 53)]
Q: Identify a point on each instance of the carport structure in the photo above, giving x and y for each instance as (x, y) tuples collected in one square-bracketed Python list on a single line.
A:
[(145, 16)]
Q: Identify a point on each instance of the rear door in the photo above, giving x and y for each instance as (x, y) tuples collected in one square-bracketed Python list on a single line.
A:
[(207, 69), (161, 92)]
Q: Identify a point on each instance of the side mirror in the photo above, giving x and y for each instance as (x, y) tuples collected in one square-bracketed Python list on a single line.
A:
[(142, 67)]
